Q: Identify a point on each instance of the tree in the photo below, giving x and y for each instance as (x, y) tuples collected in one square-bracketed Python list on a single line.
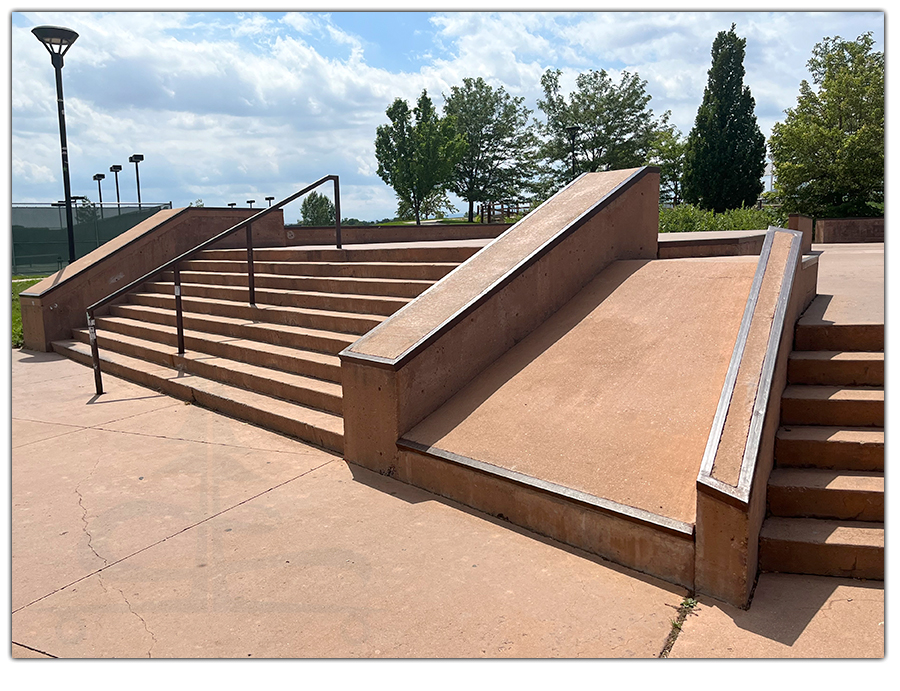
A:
[(498, 158), (829, 152), (726, 151), (668, 153), (616, 126), (317, 210), (198, 204), (417, 159), (433, 206)]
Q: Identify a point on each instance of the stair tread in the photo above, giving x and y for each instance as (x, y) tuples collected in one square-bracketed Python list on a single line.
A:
[(312, 416), (842, 435), (242, 290), (286, 351), (837, 480), (339, 279), (824, 531), (296, 380), (834, 393), (838, 355)]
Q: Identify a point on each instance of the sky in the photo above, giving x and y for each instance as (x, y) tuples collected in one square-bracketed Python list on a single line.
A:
[(228, 106)]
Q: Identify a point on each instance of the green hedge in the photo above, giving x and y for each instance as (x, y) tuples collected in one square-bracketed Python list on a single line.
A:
[(686, 218)]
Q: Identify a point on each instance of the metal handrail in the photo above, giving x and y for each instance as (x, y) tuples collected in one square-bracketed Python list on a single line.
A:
[(173, 265)]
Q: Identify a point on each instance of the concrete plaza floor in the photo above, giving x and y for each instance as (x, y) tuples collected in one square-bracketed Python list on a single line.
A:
[(144, 527)]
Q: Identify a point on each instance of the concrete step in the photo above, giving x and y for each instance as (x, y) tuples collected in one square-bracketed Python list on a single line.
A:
[(843, 337), (364, 304), (832, 406), (331, 342), (306, 424), (852, 549), (830, 448), (303, 362), (359, 253), (836, 368), (307, 391), (384, 287), (412, 271), (835, 494), (326, 320)]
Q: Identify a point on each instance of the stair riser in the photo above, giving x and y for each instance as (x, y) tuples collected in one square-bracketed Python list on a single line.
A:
[(172, 387), (327, 322), (836, 372), (298, 283), (245, 380), (399, 255), (827, 455), (863, 337), (255, 332), (412, 271), (832, 412), (796, 502), (337, 303), (231, 351), (849, 561)]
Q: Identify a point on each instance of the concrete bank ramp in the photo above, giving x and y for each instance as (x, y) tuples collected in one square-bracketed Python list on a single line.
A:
[(615, 394)]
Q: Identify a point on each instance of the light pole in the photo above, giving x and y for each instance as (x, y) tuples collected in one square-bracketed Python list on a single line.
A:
[(60, 39), (117, 169), (98, 177), (232, 205), (137, 158), (573, 131), (269, 199), (251, 202)]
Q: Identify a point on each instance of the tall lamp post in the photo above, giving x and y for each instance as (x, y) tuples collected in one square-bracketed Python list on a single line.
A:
[(57, 40), (269, 199), (117, 169), (98, 177), (137, 158), (573, 131), (251, 202)]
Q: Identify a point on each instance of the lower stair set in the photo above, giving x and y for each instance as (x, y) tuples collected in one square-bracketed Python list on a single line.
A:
[(273, 363)]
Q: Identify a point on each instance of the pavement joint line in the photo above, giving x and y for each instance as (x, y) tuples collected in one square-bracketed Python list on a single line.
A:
[(75, 428), (686, 608), (34, 650), (169, 537)]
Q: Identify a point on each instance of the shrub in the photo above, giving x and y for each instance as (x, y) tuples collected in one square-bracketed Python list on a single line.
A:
[(686, 218)]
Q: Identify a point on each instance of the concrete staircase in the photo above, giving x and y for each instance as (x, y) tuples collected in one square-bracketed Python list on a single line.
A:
[(826, 492), (275, 363)]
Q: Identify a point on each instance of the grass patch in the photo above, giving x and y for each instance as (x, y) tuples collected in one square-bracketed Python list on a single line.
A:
[(686, 608), (18, 287)]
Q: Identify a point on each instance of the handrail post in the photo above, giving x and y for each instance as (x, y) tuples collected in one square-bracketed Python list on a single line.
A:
[(337, 211), (250, 279), (179, 318), (95, 354)]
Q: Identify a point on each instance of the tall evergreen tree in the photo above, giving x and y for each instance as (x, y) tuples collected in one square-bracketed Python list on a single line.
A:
[(726, 151), (317, 210)]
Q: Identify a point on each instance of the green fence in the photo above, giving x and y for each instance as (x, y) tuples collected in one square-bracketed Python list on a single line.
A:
[(40, 241)]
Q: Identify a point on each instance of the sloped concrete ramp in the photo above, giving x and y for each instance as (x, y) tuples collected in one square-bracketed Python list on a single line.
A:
[(614, 395)]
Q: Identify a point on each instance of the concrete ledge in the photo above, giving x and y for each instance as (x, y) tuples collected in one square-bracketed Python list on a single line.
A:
[(830, 230), (357, 235), (731, 485), (56, 305), (727, 243)]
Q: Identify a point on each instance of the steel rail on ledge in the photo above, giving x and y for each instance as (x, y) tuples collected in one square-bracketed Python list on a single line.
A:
[(173, 266)]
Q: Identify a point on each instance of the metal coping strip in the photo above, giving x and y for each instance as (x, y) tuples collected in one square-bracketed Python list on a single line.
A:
[(630, 513), (715, 434), (523, 264)]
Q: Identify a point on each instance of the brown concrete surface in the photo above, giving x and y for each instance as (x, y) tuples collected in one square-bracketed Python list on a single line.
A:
[(596, 400), (314, 557), (851, 285)]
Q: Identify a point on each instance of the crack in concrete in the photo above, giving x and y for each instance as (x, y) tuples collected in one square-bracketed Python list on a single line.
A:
[(86, 527), (143, 621)]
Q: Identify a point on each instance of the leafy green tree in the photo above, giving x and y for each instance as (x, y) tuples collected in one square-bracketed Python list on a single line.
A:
[(435, 205), (668, 153), (499, 157), (198, 204), (726, 151), (417, 152), (616, 126), (317, 210), (829, 151)]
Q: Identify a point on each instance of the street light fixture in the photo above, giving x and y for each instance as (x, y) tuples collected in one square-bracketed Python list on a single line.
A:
[(117, 169), (98, 177), (251, 202), (137, 158), (269, 199), (57, 40), (232, 205), (573, 131)]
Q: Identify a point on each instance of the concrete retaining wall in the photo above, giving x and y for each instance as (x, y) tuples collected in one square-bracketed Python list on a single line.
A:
[(849, 230)]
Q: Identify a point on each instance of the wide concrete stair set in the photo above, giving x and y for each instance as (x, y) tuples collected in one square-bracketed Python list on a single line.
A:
[(826, 493), (562, 377), (274, 363)]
